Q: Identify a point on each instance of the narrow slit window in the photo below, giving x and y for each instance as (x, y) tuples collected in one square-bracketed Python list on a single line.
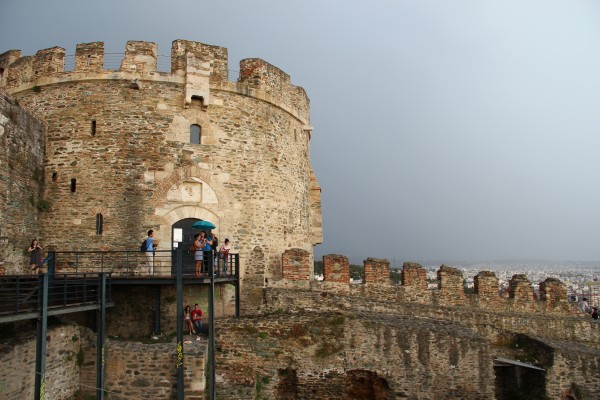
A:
[(73, 185), (195, 133), (89, 60), (93, 128), (54, 176), (99, 224)]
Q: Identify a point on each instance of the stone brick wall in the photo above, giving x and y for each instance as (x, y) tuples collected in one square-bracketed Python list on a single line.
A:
[(542, 322), (296, 265), (133, 313), (22, 148), (336, 268), (487, 287), (377, 271), (123, 137), (17, 364), (451, 286), (329, 356), (573, 365)]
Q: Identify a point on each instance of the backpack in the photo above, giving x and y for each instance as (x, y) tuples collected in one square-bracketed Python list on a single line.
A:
[(143, 246)]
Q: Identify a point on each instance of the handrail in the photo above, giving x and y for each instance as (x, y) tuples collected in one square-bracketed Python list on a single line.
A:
[(128, 263), (19, 294)]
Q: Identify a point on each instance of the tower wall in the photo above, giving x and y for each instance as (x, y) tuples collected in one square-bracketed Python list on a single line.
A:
[(118, 144), (21, 179)]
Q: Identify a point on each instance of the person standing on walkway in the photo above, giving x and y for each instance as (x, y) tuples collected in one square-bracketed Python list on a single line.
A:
[(35, 256), (224, 254), (197, 250), (207, 251), (150, 251)]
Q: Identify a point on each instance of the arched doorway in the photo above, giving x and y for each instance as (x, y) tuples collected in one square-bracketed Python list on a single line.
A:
[(182, 235)]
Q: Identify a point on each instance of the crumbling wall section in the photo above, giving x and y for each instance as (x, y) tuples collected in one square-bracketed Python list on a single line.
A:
[(333, 356)]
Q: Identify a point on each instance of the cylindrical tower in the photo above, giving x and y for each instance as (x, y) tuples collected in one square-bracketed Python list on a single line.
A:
[(133, 148)]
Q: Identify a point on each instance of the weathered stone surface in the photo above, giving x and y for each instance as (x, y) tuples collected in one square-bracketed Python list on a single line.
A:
[(17, 364), (124, 137), (22, 147)]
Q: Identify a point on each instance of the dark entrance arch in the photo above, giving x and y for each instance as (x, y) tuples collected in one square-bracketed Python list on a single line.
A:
[(187, 235)]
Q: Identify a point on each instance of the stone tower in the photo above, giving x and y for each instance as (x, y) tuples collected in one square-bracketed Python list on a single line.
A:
[(133, 148)]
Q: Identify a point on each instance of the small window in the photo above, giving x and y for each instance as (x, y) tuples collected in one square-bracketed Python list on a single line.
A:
[(195, 131), (99, 223), (89, 60), (54, 176), (73, 185), (93, 128)]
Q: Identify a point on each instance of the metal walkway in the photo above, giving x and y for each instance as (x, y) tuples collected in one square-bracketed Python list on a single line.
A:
[(82, 281)]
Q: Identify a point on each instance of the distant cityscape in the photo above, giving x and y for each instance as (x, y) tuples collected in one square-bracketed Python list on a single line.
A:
[(581, 278)]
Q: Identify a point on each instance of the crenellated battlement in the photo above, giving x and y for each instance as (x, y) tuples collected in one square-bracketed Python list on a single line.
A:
[(199, 68), (450, 291)]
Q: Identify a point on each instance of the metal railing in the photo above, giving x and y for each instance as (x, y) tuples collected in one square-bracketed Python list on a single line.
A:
[(159, 263), (19, 294)]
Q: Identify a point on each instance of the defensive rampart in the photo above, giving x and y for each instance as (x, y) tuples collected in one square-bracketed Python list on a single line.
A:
[(130, 148), (336, 339), (548, 314), (198, 66)]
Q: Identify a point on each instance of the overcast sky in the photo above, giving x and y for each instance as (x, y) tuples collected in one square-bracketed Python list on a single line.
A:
[(447, 130)]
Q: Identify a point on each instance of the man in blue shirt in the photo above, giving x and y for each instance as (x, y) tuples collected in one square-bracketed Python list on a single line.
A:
[(150, 252)]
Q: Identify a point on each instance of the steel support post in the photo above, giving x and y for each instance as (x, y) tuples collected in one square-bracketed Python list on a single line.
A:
[(237, 285), (157, 310), (211, 334), (42, 330), (179, 284), (100, 336), (51, 263)]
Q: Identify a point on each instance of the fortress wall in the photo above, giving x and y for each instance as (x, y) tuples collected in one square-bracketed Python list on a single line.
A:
[(22, 150), (89, 57), (133, 369), (450, 291), (296, 265), (137, 370), (202, 68), (215, 56), (486, 322), (451, 286), (316, 356), (259, 74), (315, 207), (17, 358), (573, 365), (137, 167), (553, 292), (377, 271), (6, 59), (336, 268), (140, 57)]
